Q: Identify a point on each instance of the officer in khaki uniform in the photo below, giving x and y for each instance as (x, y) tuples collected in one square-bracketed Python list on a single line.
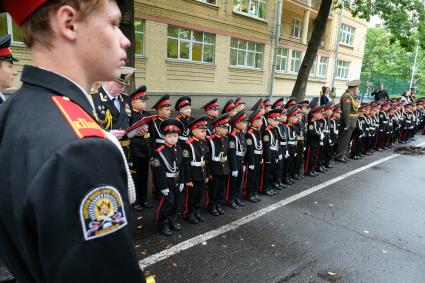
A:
[(349, 116)]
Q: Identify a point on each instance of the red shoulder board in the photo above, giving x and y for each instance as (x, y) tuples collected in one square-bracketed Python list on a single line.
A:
[(160, 148), (312, 119), (81, 123), (189, 140), (210, 137), (268, 128), (250, 131), (233, 133), (178, 116)]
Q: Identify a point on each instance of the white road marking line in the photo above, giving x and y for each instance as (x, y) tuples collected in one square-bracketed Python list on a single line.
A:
[(155, 258)]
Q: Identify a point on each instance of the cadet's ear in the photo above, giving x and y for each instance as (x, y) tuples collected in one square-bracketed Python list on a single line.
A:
[(63, 22)]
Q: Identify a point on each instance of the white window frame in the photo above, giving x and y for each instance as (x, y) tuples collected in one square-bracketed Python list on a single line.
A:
[(313, 70), (191, 41), (294, 59), (247, 51), (10, 29), (323, 66), (280, 58), (142, 33), (206, 2), (297, 27), (346, 35), (343, 69), (250, 13)]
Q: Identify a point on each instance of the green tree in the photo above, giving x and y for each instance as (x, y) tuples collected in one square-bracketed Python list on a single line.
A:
[(404, 20)]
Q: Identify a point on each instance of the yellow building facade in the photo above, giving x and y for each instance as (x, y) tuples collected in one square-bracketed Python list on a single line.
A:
[(225, 48)]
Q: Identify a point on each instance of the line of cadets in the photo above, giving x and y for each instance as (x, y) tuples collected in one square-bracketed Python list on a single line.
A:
[(221, 159)]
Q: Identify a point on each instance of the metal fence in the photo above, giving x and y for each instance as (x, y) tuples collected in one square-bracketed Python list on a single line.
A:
[(393, 85)]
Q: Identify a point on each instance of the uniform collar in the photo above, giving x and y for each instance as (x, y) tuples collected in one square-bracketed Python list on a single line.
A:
[(58, 84), (110, 96), (2, 97)]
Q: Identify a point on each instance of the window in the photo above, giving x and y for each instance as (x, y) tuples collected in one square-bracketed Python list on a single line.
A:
[(297, 28), (323, 67), (7, 26), (343, 68), (213, 2), (313, 68), (346, 35), (282, 59), (246, 53), (190, 45), (139, 29), (255, 8), (296, 61)]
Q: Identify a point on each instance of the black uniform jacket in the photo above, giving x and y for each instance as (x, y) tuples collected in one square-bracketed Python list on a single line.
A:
[(64, 203)]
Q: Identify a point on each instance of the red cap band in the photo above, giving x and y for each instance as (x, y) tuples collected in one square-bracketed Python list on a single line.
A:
[(20, 10), (229, 107), (136, 96), (273, 115), (183, 103), (171, 128), (5, 51), (162, 103), (294, 113), (198, 124)]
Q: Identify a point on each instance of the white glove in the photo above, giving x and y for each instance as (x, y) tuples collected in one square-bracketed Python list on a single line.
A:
[(287, 154), (235, 173), (322, 136), (251, 167), (295, 154), (321, 143), (165, 192), (181, 187), (280, 156), (243, 169), (304, 149)]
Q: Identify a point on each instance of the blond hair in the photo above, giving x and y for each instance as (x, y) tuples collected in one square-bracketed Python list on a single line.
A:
[(37, 28)]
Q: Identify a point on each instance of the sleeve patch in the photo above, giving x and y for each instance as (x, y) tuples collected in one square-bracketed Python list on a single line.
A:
[(249, 141), (185, 153), (156, 162), (232, 144), (266, 138), (311, 127), (102, 212)]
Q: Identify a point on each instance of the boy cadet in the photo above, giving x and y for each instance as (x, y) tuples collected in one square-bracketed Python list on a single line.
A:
[(195, 158), (283, 140), (184, 107), (271, 153), (230, 108), (254, 159), (237, 151), (291, 153), (139, 149), (73, 182), (219, 165), (211, 109), (357, 138), (240, 104), (314, 139), (324, 155), (7, 70), (163, 111), (334, 129), (168, 174)]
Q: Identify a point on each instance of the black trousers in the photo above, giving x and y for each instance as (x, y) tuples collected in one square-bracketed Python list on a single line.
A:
[(299, 159), (252, 181), (234, 184), (167, 208), (312, 156), (141, 176), (270, 174), (194, 197), (217, 188)]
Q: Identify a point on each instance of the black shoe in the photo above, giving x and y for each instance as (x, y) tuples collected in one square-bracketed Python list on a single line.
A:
[(147, 204), (297, 177), (199, 216), (282, 185), (239, 202), (323, 168), (219, 209), (315, 173), (341, 159), (320, 170), (257, 197), (275, 186), (213, 211), (252, 199), (329, 166), (286, 181), (310, 174), (164, 229), (138, 207), (192, 218), (232, 204), (175, 226), (273, 191), (267, 192), (291, 181)]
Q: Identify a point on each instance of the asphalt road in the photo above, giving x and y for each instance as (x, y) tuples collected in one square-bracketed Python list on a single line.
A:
[(366, 227)]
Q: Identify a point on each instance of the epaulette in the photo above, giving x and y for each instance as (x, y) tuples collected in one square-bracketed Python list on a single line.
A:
[(233, 133), (160, 148), (178, 116), (81, 123), (190, 140), (250, 131), (313, 120), (210, 137), (268, 128)]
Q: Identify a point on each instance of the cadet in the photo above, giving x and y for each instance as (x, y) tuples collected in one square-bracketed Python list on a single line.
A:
[(163, 111), (70, 190), (314, 140), (113, 107), (358, 136), (196, 175), (271, 153), (240, 105), (334, 128), (325, 154), (184, 107), (230, 108), (237, 150), (291, 153), (211, 109), (7, 70), (139, 149), (383, 126), (349, 115), (169, 180), (218, 164), (254, 154), (283, 141)]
